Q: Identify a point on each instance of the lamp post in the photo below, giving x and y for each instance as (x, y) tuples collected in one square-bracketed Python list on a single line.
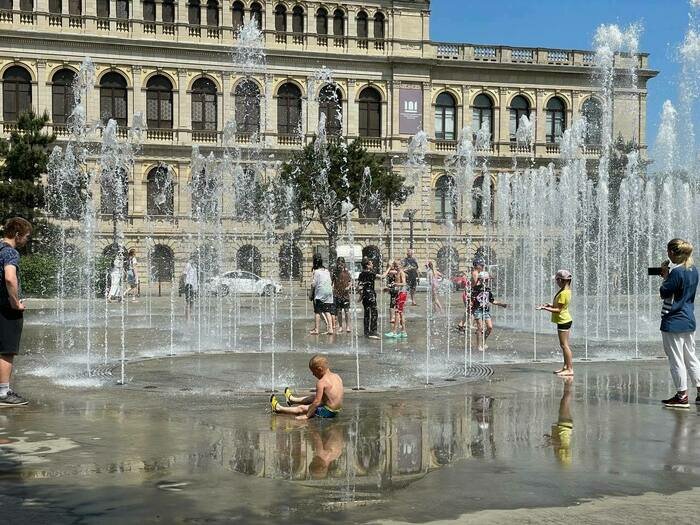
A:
[(410, 214)]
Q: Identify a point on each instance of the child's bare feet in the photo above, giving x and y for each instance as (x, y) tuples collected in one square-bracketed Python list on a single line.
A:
[(313, 332)]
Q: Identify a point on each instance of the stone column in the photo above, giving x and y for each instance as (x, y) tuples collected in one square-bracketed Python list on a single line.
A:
[(353, 114), (139, 95), (428, 111), (268, 113), (42, 89), (540, 117), (312, 109), (226, 99), (185, 110), (181, 18)]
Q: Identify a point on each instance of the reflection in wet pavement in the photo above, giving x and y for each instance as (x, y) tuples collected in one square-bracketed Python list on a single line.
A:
[(525, 439)]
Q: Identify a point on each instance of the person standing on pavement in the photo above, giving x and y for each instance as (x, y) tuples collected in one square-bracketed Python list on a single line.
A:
[(15, 235), (368, 297), (410, 268), (678, 320)]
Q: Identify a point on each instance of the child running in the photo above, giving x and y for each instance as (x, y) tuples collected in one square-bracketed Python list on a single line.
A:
[(326, 403), (562, 318), (482, 299)]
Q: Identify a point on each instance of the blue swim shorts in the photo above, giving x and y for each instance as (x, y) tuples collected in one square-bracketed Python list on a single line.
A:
[(324, 412)]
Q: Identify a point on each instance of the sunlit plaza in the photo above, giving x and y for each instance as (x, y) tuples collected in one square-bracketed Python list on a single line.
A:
[(198, 168)]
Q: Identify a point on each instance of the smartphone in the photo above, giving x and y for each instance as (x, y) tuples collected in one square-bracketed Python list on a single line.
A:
[(654, 271)]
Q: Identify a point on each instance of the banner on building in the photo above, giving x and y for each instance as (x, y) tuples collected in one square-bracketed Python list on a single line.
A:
[(410, 110)]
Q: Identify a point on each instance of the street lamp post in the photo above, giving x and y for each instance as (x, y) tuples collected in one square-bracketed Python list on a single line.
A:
[(410, 214)]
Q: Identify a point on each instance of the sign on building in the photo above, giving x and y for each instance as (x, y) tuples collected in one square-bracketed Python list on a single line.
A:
[(410, 110)]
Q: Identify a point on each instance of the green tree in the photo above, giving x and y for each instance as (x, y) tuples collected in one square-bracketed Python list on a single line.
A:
[(25, 156), (330, 181)]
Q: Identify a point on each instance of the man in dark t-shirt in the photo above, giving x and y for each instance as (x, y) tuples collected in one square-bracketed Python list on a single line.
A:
[(15, 235), (368, 297), (410, 268)]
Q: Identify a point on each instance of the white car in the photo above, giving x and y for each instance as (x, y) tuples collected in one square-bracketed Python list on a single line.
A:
[(241, 282)]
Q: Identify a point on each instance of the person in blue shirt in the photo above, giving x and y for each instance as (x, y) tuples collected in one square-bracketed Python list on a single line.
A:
[(678, 320)]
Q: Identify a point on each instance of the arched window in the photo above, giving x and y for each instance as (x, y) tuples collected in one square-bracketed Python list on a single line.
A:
[(103, 8), (281, 19), (256, 13), (445, 198), (247, 194), (321, 21), (113, 101), (213, 13), (482, 114), (288, 109), (290, 259), (362, 25), (447, 261), (26, 5), (75, 7), (194, 13), (122, 8), (556, 119), (204, 109), (330, 102), (159, 192), (168, 11), (205, 195), (159, 103), (55, 7), (338, 23), (62, 100), (114, 193), (237, 12), (593, 113), (445, 117), (379, 26), (519, 107), (298, 19), (248, 259), (247, 107), (478, 197), (162, 264), (16, 92), (149, 10), (370, 113)]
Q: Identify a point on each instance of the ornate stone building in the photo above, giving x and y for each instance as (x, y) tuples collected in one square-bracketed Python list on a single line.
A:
[(172, 61)]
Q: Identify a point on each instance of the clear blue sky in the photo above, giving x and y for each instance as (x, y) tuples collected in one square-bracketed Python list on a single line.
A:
[(571, 24)]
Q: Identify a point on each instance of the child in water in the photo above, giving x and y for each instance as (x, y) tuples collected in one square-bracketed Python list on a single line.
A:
[(559, 308), (326, 403), (482, 299)]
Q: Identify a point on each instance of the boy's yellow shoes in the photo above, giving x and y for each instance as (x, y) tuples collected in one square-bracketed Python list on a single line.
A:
[(288, 394), (273, 402)]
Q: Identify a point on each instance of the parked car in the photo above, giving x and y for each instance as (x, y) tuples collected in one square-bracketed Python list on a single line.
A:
[(241, 282)]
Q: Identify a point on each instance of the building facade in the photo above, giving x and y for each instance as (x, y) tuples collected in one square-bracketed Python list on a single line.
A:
[(172, 62)]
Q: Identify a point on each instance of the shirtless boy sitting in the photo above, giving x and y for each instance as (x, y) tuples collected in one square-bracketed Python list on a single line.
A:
[(326, 403)]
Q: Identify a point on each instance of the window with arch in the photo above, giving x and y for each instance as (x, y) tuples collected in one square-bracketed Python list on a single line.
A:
[(159, 192), (370, 113), (445, 117), (480, 197), (447, 261), (592, 111), (194, 13), (26, 5), (519, 108), (362, 25), (256, 13), (204, 105), (379, 26), (237, 12), (288, 109), (556, 119), (247, 98), (114, 193), (248, 259), (103, 8), (246, 193), (338, 23), (291, 260), (330, 103), (162, 263), (322, 21), (55, 7), (149, 10), (168, 11), (113, 98), (62, 100), (122, 9), (205, 190), (159, 103), (298, 19), (482, 114), (281, 19), (75, 7), (16, 92), (445, 198), (213, 13)]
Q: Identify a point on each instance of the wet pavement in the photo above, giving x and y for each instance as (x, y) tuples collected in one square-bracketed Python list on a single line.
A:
[(518, 445)]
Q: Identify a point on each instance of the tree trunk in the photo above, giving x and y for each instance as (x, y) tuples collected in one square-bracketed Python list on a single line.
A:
[(332, 233)]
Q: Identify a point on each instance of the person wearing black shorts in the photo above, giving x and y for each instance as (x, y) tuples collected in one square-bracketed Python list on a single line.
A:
[(15, 235), (410, 268)]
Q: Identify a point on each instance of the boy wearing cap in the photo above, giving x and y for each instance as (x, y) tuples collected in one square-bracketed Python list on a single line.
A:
[(559, 308)]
